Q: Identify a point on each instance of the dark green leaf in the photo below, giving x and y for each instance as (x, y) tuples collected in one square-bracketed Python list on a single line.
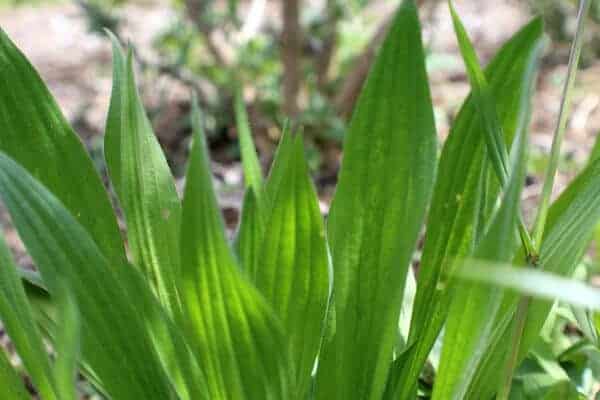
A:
[(36, 135), (115, 342), (18, 320)]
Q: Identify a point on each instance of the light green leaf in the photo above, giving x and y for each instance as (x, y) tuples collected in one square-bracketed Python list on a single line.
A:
[(67, 346), (143, 182), (571, 221), (457, 198), (34, 132), (251, 164), (292, 272), (384, 187), (233, 331), (250, 233), (18, 320), (472, 312), (534, 282), (65, 254), (483, 100), (11, 385)]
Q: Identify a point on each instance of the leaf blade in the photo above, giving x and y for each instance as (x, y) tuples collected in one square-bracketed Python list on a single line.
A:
[(380, 168), (233, 331), (36, 134), (293, 275), (144, 184)]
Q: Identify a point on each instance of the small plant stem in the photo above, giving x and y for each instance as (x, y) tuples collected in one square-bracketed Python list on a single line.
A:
[(540, 221), (559, 133)]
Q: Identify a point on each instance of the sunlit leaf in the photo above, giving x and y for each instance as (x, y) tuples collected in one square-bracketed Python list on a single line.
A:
[(292, 271), (143, 183), (454, 222), (385, 182), (231, 328)]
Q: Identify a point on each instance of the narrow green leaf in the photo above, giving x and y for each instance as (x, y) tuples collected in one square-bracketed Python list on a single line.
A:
[(472, 313), (485, 104), (235, 334), (18, 320), (384, 187), (65, 254), (67, 346), (255, 209), (541, 284), (251, 164), (11, 385), (483, 100), (457, 196), (292, 273), (143, 182), (35, 134), (571, 221), (250, 233)]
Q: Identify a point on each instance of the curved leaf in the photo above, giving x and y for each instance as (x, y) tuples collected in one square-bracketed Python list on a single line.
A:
[(17, 318), (36, 135), (114, 340)]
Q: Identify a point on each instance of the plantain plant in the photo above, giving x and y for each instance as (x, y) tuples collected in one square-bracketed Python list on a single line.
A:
[(293, 308)]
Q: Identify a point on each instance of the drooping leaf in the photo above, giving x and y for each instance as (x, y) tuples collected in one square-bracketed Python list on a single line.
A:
[(66, 255), (35, 134), (17, 317), (292, 273), (11, 386), (457, 196), (233, 331), (384, 187), (252, 170), (143, 182)]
